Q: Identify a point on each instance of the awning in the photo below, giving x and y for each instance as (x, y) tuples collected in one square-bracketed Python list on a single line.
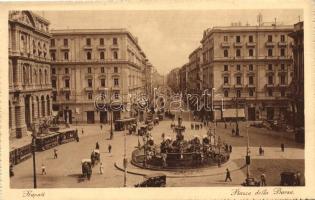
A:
[(232, 112)]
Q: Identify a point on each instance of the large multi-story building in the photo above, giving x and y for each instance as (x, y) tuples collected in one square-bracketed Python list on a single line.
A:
[(194, 82), (29, 72), (89, 63), (183, 78), (297, 85), (250, 67), (173, 79)]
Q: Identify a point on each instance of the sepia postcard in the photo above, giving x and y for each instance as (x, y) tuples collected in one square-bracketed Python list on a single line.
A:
[(157, 100)]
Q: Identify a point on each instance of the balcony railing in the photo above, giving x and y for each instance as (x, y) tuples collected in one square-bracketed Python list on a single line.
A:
[(89, 89), (225, 44), (251, 44), (87, 47), (238, 86), (282, 44), (270, 44), (238, 44)]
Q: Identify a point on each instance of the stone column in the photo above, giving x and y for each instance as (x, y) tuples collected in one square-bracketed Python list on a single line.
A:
[(13, 121), (20, 117)]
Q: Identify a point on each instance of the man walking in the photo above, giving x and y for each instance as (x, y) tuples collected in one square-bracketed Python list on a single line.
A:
[(101, 126), (43, 169), (55, 154), (228, 175), (263, 179), (82, 131), (109, 148), (101, 168), (97, 146)]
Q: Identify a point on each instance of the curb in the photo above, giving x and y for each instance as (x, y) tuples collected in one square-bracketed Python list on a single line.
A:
[(175, 176)]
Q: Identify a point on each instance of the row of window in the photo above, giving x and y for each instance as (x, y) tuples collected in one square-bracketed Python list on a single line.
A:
[(251, 93), (87, 42), (251, 52), (88, 55), (251, 38), (251, 80), (251, 67), (89, 70), (89, 96), (89, 82)]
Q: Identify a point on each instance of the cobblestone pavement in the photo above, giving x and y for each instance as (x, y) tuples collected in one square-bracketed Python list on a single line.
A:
[(64, 171)]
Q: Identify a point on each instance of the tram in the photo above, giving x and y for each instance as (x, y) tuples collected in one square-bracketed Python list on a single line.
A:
[(20, 154), (47, 141), (67, 135)]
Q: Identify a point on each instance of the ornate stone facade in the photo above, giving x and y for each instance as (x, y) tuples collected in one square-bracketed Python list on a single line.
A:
[(29, 71)]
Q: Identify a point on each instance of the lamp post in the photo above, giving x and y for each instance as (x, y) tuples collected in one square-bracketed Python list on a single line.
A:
[(247, 152), (111, 114), (33, 154), (125, 161)]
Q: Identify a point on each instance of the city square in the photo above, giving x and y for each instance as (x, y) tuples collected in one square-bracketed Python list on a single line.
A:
[(100, 107)]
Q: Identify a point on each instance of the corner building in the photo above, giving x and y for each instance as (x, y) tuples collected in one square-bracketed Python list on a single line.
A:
[(29, 72), (89, 62), (250, 67)]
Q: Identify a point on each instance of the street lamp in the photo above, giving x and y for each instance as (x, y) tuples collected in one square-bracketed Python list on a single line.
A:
[(247, 152), (33, 154), (125, 161)]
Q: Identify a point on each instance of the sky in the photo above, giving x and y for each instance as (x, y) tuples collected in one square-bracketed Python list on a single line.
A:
[(167, 37)]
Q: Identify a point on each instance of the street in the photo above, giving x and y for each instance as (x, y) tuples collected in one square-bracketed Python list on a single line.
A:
[(65, 170)]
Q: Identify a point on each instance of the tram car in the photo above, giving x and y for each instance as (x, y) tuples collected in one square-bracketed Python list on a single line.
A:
[(122, 124), (20, 154), (44, 142), (67, 135)]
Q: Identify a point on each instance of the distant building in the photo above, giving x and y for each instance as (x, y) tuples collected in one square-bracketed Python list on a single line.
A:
[(173, 79), (297, 85), (250, 67), (29, 72), (194, 76), (89, 63)]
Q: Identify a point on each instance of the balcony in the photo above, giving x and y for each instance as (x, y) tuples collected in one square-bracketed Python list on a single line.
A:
[(270, 85), (238, 86), (101, 47), (64, 48), (251, 86), (87, 47), (65, 89), (270, 44), (226, 86), (282, 85), (226, 73), (251, 44), (225, 45), (282, 44), (114, 46), (251, 72), (238, 44), (89, 89), (102, 89)]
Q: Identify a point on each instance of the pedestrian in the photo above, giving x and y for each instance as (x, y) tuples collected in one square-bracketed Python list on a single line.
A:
[(109, 148), (230, 148), (101, 126), (101, 168), (225, 126), (233, 131), (282, 147), (43, 169), (260, 150), (55, 154), (82, 131), (97, 146), (77, 138), (263, 180), (228, 175)]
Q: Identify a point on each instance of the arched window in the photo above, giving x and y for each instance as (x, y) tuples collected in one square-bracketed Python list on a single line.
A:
[(226, 93), (66, 56), (40, 76), (45, 77)]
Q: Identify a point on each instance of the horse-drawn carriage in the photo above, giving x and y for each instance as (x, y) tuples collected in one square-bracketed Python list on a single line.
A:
[(95, 157), (86, 168)]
